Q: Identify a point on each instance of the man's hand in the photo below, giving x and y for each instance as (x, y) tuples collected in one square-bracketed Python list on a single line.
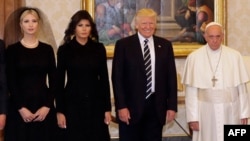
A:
[(124, 115)]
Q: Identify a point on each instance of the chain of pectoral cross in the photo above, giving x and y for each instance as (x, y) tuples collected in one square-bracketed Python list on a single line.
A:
[(213, 78)]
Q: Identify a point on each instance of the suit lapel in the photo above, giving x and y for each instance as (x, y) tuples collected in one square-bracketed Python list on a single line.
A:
[(157, 47), (138, 50)]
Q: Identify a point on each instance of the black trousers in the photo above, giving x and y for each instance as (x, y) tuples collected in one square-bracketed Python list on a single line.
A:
[(148, 128)]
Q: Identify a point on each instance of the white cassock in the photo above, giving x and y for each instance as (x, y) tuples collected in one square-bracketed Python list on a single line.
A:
[(224, 103)]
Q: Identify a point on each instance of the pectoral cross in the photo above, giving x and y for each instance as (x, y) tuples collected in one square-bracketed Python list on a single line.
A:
[(214, 79)]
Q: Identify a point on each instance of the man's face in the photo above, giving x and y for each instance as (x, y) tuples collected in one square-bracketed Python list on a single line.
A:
[(214, 36), (146, 26)]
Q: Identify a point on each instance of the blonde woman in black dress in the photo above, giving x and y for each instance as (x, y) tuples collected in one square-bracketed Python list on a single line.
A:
[(30, 63)]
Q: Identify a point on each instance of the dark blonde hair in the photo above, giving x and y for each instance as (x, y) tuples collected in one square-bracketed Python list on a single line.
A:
[(145, 12)]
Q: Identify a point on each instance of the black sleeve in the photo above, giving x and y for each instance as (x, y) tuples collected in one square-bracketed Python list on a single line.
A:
[(3, 83)]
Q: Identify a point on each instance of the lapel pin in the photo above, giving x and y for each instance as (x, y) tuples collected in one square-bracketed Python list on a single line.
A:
[(159, 46)]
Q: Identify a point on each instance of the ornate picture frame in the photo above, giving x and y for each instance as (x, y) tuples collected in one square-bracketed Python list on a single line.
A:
[(180, 49)]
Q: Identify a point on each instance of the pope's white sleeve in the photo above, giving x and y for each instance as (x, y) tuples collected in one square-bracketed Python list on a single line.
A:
[(192, 105)]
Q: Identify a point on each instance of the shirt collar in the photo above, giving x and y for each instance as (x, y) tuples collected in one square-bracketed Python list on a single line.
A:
[(141, 38)]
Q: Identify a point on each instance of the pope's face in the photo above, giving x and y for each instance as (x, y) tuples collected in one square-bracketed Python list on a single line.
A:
[(214, 36)]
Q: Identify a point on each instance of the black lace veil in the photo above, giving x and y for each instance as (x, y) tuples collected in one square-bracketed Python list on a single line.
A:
[(14, 34)]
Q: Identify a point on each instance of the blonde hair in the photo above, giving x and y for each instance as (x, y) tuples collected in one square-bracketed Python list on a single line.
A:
[(145, 12)]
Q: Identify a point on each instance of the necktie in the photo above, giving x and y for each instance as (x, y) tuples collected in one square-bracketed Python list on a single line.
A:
[(148, 70)]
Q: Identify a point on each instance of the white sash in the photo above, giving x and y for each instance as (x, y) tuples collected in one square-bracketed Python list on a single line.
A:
[(218, 96)]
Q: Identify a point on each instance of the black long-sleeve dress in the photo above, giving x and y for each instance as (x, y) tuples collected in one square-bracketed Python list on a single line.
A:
[(86, 96), (27, 73)]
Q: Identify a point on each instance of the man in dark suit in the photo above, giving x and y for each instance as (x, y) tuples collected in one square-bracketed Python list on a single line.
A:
[(3, 87), (141, 117)]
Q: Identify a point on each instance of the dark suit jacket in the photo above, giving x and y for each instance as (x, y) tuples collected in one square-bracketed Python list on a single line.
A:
[(3, 83), (129, 79)]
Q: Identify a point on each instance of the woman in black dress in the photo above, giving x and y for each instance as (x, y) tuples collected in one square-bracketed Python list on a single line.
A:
[(83, 103), (31, 72)]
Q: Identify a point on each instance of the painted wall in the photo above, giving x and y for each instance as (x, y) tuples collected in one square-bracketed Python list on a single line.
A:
[(238, 21)]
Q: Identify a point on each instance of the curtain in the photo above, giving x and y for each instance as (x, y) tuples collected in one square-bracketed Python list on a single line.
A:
[(6, 8)]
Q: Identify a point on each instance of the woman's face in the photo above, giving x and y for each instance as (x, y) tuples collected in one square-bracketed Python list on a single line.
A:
[(83, 29), (29, 24)]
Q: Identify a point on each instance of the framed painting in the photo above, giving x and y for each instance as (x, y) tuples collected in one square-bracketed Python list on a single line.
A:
[(180, 21)]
